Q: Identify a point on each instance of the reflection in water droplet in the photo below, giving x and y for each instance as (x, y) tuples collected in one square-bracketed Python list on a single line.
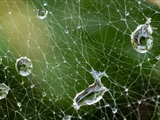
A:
[(141, 38), (4, 89), (42, 14), (67, 117), (93, 93), (23, 66)]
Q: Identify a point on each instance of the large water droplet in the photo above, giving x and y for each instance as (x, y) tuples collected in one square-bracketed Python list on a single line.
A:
[(42, 14), (93, 93), (23, 66), (141, 38), (67, 117), (4, 89)]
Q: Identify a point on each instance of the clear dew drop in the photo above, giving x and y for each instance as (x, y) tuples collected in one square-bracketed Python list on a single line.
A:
[(66, 31), (23, 66), (93, 94), (67, 117), (19, 104), (127, 13), (32, 86), (141, 38), (139, 101), (158, 57), (114, 110), (44, 94), (79, 27), (42, 13), (45, 4), (4, 89), (0, 60), (126, 89)]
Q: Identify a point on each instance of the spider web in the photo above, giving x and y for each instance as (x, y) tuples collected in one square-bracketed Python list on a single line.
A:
[(74, 38)]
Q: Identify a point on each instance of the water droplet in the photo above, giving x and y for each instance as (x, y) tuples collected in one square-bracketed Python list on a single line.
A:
[(42, 14), (106, 105), (66, 31), (140, 64), (43, 94), (127, 13), (0, 60), (19, 104), (114, 110), (126, 89), (9, 12), (139, 101), (32, 86), (124, 118), (23, 66), (67, 117), (141, 38), (45, 4), (4, 89), (79, 27), (93, 93), (158, 57)]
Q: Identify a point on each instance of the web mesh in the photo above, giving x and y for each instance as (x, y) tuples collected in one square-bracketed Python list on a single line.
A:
[(70, 43)]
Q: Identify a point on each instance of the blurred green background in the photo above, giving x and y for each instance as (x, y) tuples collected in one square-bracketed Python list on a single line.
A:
[(75, 37)]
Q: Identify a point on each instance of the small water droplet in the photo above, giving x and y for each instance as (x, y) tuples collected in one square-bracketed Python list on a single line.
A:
[(79, 27), (19, 104), (114, 110), (126, 89), (107, 105), (93, 94), (0, 60), (9, 12), (124, 118), (158, 57), (67, 117), (127, 13), (140, 64), (41, 14), (44, 94), (32, 86), (139, 101), (66, 31), (45, 4), (128, 105), (23, 66), (4, 89)]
